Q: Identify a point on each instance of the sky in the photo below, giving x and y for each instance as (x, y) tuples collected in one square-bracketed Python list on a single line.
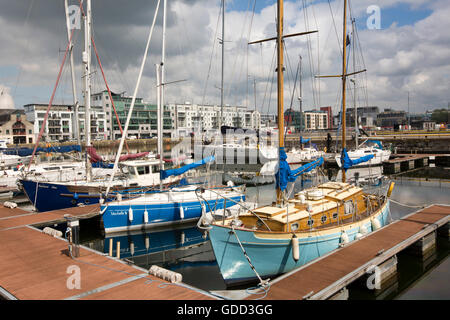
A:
[(406, 53)]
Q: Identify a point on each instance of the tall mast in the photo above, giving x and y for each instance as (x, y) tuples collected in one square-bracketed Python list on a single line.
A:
[(300, 99), (354, 85), (161, 102), (223, 64), (280, 100), (344, 78), (87, 85), (75, 122)]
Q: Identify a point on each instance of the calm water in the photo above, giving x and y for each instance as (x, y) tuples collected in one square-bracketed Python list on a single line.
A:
[(187, 250)]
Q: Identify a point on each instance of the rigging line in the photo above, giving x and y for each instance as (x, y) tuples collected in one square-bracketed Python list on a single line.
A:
[(269, 79), (248, 39), (237, 54), (51, 99), (211, 56), (311, 63), (335, 29), (26, 48), (106, 82), (318, 53)]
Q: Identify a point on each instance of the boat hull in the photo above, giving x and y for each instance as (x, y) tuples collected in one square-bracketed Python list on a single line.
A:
[(378, 158), (53, 196), (271, 253), (117, 217)]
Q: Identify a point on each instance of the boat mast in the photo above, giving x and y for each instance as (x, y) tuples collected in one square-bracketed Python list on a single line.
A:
[(133, 100), (223, 65), (280, 79), (87, 86), (161, 88), (75, 122), (354, 85), (344, 78), (300, 99)]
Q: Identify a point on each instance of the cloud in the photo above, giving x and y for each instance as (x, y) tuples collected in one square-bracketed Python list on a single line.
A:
[(6, 101), (414, 57)]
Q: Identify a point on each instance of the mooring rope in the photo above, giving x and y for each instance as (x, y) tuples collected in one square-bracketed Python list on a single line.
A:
[(262, 283), (407, 205)]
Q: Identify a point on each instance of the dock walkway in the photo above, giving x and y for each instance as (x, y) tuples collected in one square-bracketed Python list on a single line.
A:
[(324, 277), (35, 265)]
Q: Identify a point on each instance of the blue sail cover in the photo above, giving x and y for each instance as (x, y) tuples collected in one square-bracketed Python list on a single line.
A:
[(285, 174), (23, 152), (303, 140), (101, 164), (176, 172), (347, 162)]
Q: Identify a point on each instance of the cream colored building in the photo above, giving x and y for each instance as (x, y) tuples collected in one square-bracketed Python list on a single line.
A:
[(15, 128)]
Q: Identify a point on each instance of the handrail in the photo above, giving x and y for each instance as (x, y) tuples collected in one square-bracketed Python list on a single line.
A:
[(236, 202)]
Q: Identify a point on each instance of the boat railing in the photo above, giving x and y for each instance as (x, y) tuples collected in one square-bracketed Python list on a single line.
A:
[(200, 190)]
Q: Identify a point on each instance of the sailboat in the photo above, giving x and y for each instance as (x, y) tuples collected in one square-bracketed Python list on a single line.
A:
[(270, 240), (177, 205), (52, 195), (302, 154), (369, 146)]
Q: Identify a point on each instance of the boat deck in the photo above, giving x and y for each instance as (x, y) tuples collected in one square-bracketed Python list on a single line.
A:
[(322, 278), (35, 265)]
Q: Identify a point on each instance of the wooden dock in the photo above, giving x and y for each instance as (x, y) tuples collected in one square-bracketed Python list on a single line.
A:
[(35, 265), (331, 273)]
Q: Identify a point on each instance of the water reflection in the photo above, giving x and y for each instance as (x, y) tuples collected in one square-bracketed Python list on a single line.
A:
[(188, 251)]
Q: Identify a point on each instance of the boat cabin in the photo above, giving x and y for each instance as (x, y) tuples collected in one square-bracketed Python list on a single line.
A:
[(141, 172), (326, 205)]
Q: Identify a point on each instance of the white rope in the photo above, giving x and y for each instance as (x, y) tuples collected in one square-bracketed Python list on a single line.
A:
[(407, 205), (262, 283)]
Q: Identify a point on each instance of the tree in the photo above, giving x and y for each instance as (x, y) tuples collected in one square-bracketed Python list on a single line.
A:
[(440, 116)]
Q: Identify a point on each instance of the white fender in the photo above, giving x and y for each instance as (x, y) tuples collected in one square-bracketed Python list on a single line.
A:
[(376, 224), (132, 248), (295, 248), (130, 214), (358, 236), (181, 213), (147, 243), (145, 216), (344, 237), (363, 230)]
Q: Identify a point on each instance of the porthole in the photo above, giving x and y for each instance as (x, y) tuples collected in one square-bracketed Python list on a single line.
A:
[(323, 219), (86, 201), (294, 226), (74, 202), (310, 222), (335, 216)]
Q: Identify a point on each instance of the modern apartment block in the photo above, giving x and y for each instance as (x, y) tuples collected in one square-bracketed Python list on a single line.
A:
[(143, 122), (61, 124), (316, 120), (188, 118)]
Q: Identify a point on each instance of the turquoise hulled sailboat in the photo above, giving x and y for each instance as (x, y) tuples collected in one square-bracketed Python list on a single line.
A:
[(275, 239)]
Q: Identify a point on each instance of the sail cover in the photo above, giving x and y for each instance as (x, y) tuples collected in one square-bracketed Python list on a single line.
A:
[(23, 152), (347, 162), (285, 174), (302, 140), (176, 172)]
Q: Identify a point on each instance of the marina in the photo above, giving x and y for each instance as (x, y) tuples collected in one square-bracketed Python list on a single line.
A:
[(132, 194)]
